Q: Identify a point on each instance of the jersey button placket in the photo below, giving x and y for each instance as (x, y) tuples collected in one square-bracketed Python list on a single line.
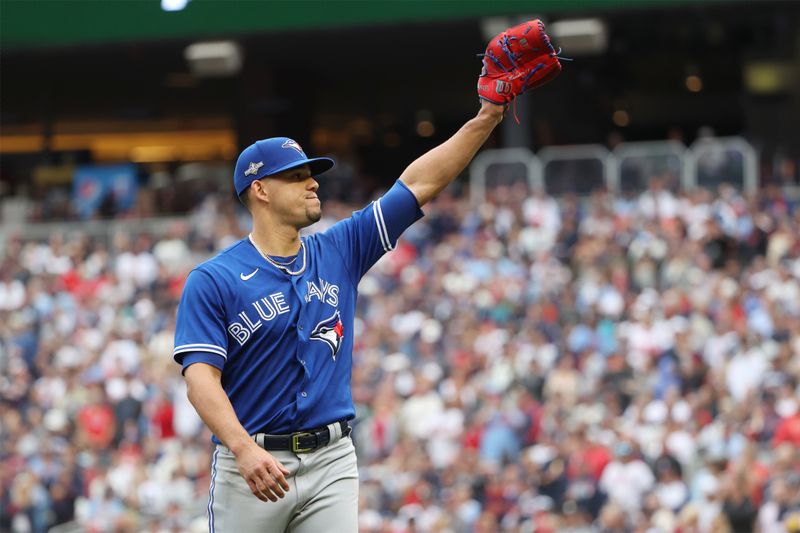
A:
[(297, 284), (306, 370)]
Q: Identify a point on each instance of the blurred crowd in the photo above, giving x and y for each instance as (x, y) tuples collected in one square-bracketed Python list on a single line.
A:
[(602, 364)]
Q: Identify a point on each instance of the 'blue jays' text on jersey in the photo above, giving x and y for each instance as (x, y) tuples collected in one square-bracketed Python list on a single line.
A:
[(284, 342)]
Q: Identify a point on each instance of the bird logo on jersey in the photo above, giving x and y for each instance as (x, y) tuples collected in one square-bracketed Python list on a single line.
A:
[(331, 332), (293, 144)]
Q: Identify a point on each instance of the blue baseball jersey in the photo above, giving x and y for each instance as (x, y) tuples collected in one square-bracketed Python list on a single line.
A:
[(284, 342)]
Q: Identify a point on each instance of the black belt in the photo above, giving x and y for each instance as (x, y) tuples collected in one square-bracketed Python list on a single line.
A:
[(302, 441)]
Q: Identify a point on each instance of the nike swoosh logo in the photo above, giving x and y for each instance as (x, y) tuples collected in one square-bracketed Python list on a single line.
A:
[(250, 275)]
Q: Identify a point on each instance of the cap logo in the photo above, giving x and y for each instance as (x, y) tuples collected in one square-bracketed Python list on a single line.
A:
[(253, 168), (503, 87), (292, 144)]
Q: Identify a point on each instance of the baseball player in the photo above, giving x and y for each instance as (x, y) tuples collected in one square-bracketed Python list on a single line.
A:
[(265, 329)]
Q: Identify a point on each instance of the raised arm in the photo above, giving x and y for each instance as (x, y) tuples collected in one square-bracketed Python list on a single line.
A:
[(433, 171), (516, 60)]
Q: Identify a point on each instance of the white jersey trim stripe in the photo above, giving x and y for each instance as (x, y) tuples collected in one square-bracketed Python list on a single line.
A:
[(383, 225), (211, 348), (378, 220), (389, 245), (200, 345)]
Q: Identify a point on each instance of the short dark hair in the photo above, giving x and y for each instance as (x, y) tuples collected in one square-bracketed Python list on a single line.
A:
[(245, 198)]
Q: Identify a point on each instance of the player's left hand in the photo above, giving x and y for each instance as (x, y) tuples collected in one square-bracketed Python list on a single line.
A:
[(516, 60)]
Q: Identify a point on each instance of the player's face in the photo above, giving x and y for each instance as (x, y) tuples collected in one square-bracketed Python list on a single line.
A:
[(293, 194)]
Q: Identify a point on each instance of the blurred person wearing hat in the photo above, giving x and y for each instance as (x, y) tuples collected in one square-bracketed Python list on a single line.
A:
[(627, 479)]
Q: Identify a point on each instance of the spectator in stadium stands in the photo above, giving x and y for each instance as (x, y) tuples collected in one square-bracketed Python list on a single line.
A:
[(627, 479), (625, 363)]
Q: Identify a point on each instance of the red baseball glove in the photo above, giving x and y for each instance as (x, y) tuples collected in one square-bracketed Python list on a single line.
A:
[(516, 60)]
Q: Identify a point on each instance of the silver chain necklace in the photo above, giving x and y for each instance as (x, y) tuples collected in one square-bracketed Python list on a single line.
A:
[(282, 266), (287, 263)]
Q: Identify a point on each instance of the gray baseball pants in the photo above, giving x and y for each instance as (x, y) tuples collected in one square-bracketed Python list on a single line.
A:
[(323, 494)]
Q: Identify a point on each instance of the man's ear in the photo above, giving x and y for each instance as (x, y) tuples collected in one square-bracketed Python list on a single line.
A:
[(259, 190)]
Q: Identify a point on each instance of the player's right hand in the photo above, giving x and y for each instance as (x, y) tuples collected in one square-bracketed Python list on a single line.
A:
[(265, 475)]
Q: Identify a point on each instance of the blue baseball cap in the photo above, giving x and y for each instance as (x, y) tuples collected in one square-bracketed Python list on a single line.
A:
[(270, 156)]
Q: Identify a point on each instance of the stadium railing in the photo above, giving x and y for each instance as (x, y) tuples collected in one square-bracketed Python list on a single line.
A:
[(580, 169)]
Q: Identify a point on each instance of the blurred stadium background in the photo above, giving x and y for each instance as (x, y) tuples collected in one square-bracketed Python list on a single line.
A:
[(595, 329)]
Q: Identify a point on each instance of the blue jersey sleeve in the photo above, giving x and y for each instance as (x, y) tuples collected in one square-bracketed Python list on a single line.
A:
[(371, 232), (200, 334)]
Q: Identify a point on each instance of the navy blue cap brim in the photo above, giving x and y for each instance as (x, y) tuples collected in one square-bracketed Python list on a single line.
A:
[(317, 165)]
